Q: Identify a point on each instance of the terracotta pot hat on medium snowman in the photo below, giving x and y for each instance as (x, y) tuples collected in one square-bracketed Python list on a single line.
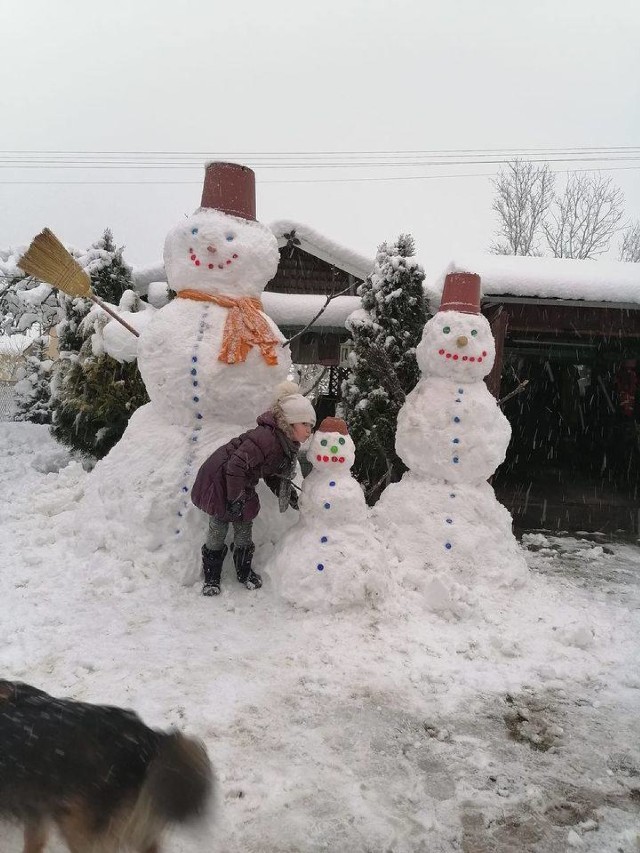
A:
[(461, 292), (332, 447), (221, 248), (457, 342)]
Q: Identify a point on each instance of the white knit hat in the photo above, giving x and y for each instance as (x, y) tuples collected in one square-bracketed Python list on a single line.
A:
[(295, 408)]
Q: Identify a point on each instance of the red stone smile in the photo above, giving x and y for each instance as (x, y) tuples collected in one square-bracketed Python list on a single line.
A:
[(195, 260), (454, 356)]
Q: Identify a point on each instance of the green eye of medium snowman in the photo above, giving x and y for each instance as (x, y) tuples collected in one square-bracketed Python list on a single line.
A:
[(341, 441), (474, 332), (446, 330), (324, 442)]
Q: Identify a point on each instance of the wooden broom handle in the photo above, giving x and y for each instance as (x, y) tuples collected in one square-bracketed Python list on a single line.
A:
[(106, 308)]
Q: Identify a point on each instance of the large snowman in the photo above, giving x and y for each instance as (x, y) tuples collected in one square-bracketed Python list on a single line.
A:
[(210, 360), (442, 520), (331, 558)]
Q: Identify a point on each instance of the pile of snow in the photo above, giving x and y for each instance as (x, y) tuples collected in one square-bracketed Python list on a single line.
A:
[(361, 730)]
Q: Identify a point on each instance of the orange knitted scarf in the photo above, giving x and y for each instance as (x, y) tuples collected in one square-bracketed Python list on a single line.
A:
[(245, 327)]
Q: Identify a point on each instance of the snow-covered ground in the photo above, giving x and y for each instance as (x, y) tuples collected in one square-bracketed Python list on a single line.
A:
[(389, 731)]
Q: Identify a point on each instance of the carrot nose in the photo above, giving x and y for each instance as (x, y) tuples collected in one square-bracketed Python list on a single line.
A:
[(212, 249), (462, 340)]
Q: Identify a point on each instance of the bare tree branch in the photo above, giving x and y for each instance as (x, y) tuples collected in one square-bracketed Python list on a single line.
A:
[(518, 390), (630, 248), (386, 479), (584, 220), (311, 388), (320, 312), (524, 192)]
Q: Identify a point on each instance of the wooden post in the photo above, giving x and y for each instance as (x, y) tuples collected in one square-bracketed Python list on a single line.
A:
[(498, 318)]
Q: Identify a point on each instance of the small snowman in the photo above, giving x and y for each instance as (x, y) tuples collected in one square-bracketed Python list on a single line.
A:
[(331, 557), (210, 360), (442, 520)]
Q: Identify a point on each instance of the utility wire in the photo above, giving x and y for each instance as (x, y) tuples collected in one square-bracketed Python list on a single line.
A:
[(290, 154), (322, 160), (152, 183), (170, 165)]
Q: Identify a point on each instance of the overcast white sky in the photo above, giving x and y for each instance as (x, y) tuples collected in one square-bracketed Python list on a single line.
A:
[(306, 76)]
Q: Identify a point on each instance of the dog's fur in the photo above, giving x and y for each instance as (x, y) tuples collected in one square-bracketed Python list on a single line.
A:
[(105, 779)]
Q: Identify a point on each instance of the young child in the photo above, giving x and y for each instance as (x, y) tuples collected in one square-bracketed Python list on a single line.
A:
[(225, 487)]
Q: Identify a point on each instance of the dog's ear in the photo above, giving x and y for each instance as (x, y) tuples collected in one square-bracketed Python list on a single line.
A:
[(7, 691), (180, 778)]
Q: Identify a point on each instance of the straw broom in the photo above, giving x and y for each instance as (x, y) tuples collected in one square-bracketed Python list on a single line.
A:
[(47, 259)]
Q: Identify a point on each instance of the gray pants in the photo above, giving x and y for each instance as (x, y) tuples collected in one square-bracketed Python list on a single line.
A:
[(218, 533)]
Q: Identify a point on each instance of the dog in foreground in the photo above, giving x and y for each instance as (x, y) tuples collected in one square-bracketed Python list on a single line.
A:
[(107, 781)]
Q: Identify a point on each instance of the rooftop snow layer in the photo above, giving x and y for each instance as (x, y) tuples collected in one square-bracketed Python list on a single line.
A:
[(288, 310), (547, 278), (320, 246)]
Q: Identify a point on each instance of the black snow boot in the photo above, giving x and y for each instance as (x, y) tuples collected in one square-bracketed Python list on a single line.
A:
[(212, 568), (242, 558)]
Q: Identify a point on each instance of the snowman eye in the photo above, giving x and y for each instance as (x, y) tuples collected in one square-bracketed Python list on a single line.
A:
[(230, 237), (194, 230), (474, 332), (341, 441), (324, 442), (446, 330)]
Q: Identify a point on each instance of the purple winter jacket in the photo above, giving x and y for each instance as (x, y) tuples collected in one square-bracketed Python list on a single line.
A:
[(234, 470)]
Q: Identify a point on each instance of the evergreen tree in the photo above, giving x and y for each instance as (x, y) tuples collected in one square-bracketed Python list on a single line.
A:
[(383, 361), (33, 388), (94, 395), (110, 277)]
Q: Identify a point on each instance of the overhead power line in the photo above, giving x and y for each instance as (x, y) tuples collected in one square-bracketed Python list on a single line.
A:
[(313, 160), (290, 154), (153, 183)]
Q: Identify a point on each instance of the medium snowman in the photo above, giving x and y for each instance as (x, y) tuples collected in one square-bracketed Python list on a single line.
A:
[(331, 558), (210, 360), (442, 520)]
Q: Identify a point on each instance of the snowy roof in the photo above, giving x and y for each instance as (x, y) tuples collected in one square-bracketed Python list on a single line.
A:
[(321, 247), (286, 309), (292, 310), (548, 278)]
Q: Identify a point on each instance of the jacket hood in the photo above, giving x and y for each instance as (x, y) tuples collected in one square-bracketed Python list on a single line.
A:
[(271, 419)]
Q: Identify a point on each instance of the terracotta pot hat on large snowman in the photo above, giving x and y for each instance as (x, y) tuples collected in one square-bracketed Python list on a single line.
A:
[(230, 188), (222, 254), (457, 342)]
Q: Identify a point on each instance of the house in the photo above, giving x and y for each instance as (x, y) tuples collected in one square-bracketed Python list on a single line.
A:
[(313, 268), (571, 330)]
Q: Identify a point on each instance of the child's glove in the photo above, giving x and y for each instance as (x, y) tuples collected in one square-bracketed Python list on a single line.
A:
[(234, 508), (293, 501)]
